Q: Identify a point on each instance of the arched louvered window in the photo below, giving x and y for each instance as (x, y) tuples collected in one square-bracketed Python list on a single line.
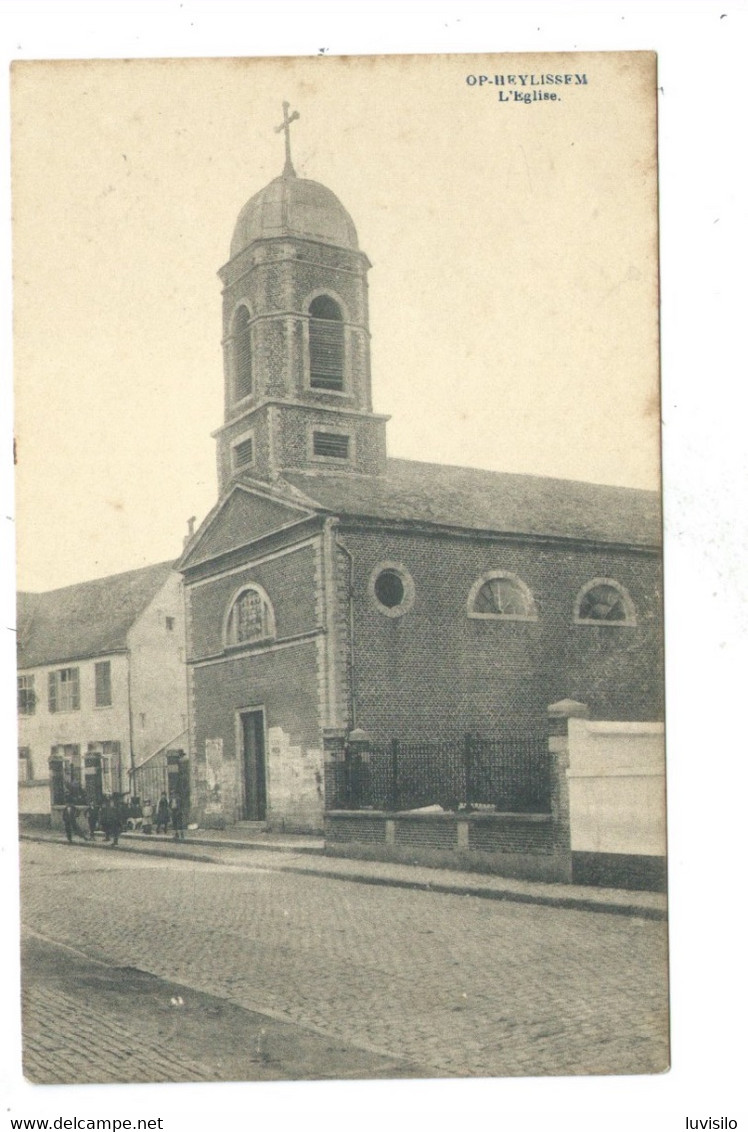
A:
[(604, 601), (499, 595), (326, 344), (241, 349)]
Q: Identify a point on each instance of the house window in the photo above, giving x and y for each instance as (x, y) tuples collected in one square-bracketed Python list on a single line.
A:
[(64, 690), (26, 695), (103, 769), (170, 623), (392, 589), (242, 454), (326, 344), (103, 681), (250, 618), (332, 445), (499, 595), (241, 354), (25, 769), (66, 774), (604, 601)]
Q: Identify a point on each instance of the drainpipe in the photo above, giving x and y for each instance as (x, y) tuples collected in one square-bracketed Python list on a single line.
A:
[(129, 714), (331, 634), (351, 632)]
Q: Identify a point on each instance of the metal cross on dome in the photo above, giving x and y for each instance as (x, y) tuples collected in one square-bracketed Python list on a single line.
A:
[(288, 170)]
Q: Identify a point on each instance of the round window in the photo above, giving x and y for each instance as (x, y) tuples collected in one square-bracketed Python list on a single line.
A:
[(391, 587)]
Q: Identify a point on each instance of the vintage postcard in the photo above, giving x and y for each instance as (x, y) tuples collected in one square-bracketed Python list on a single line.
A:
[(340, 639)]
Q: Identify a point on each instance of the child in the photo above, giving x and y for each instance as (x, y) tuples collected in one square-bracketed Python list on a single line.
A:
[(147, 825)]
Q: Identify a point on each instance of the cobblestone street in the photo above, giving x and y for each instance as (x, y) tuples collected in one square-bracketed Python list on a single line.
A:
[(440, 984)]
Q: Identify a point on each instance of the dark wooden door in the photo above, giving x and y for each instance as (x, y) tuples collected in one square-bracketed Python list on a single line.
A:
[(253, 753)]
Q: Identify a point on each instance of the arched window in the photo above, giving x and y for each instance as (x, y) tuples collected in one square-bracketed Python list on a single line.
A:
[(605, 601), (326, 344), (499, 594), (250, 617), (241, 354)]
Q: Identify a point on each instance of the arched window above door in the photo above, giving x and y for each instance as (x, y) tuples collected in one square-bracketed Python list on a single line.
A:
[(250, 618)]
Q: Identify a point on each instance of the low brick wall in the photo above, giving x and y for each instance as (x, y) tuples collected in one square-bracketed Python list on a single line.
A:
[(606, 824), (513, 845)]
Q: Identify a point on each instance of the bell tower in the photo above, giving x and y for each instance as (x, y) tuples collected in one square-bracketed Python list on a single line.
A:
[(297, 376)]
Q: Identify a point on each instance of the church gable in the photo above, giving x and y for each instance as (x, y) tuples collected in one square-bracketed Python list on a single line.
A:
[(244, 517)]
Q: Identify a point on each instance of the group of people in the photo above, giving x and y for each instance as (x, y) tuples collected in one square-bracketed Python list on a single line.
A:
[(161, 815), (112, 815)]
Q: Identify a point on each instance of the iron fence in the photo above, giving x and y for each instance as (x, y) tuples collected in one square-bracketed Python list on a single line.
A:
[(166, 772), (508, 773)]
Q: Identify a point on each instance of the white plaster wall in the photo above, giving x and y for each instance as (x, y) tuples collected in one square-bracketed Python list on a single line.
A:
[(616, 781), (158, 674), (33, 798), (294, 782), (44, 730)]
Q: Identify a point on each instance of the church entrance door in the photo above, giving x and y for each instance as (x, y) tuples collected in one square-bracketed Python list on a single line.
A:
[(253, 757)]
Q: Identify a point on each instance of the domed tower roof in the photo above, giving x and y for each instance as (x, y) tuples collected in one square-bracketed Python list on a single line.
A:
[(293, 206)]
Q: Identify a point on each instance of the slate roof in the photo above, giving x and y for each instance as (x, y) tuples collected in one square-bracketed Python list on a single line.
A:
[(87, 619), (477, 500)]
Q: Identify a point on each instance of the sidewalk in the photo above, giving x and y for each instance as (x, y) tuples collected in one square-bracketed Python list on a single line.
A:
[(306, 854)]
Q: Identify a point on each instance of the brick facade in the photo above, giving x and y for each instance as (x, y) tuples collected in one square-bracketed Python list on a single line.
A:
[(276, 280), (436, 670), (280, 678), (337, 660)]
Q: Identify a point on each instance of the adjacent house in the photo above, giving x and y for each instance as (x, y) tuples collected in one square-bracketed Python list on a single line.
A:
[(102, 700)]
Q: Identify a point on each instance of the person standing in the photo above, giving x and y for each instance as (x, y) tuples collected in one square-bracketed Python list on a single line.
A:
[(105, 817), (92, 817), (162, 814), (177, 817), (116, 819), (70, 821)]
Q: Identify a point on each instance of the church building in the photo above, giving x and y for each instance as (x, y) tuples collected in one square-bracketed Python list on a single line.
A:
[(334, 589)]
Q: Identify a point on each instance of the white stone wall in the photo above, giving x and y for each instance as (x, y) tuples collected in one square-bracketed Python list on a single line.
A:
[(616, 782)]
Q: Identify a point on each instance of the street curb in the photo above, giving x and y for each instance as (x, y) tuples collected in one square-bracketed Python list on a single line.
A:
[(206, 842), (573, 903), (156, 852)]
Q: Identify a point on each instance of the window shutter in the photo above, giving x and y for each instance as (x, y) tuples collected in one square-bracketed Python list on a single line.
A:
[(243, 453), (103, 679), (52, 686), (242, 347), (330, 444), (326, 354)]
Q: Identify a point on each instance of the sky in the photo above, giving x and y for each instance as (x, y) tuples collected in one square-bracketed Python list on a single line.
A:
[(513, 293)]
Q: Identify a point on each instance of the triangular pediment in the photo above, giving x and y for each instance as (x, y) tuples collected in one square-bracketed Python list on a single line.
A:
[(241, 518)]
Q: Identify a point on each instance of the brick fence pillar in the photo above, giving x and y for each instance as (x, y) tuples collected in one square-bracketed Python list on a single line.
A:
[(559, 715)]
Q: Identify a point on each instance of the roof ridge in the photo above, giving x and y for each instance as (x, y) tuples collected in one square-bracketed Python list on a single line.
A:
[(103, 578)]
